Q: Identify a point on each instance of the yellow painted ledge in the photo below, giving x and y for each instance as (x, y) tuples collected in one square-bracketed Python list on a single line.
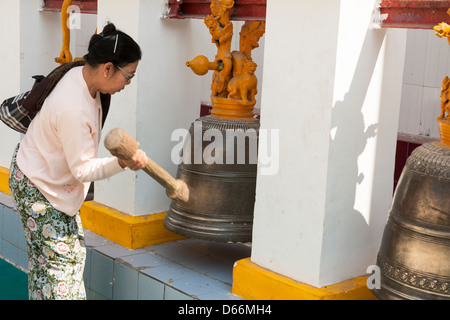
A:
[(253, 282), (4, 176), (127, 230)]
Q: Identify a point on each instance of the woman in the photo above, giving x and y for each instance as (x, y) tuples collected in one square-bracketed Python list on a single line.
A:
[(53, 166)]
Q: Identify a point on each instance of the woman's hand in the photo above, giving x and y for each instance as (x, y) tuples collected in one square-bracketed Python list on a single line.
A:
[(138, 161)]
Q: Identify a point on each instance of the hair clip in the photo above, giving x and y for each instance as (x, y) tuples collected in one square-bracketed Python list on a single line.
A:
[(115, 45)]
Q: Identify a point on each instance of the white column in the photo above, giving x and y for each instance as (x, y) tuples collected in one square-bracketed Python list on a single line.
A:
[(30, 40), (332, 88), (119, 191), (9, 64), (165, 95)]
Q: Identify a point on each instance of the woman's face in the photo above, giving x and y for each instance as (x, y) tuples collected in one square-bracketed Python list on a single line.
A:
[(116, 78)]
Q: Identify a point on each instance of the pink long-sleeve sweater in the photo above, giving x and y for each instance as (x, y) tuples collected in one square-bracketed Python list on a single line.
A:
[(59, 151)]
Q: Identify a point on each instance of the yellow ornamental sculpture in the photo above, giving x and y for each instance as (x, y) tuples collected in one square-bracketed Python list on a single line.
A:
[(234, 84), (65, 55), (445, 100)]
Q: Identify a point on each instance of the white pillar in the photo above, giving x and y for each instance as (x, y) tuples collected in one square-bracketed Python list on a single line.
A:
[(332, 87), (30, 40), (165, 95), (10, 64)]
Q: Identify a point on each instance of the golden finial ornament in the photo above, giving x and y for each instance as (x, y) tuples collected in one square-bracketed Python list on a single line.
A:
[(234, 84)]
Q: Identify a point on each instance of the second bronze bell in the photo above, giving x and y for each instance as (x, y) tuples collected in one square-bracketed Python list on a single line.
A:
[(415, 251)]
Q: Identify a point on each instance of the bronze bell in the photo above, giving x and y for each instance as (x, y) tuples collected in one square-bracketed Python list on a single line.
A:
[(222, 194), (414, 257)]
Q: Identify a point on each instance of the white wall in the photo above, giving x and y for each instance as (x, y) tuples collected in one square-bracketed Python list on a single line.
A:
[(427, 63), (10, 66), (169, 95), (79, 37), (40, 41), (30, 40), (119, 191)]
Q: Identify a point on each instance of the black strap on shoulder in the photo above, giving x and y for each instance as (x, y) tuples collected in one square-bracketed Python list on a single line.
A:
[(42, 88)]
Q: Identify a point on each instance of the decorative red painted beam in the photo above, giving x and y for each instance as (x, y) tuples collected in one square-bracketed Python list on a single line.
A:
[(413, 14), (86, 6), (197, 9)]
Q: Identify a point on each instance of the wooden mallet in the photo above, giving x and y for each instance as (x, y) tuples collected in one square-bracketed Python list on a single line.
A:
[(121, 145)]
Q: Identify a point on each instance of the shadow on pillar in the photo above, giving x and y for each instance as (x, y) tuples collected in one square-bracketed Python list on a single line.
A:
[(349, 232)]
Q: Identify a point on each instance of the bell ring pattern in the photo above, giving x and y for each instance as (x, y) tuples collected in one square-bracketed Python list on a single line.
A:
[(55, 243), (430, 160), (421, 280)]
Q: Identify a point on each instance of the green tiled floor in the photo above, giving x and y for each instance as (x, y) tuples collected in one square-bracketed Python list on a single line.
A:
[(13, 282)]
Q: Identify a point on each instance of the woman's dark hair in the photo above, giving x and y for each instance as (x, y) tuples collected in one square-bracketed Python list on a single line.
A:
[(114, 46)]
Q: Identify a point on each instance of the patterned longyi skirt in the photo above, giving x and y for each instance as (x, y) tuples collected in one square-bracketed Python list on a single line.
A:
[(55, 242)]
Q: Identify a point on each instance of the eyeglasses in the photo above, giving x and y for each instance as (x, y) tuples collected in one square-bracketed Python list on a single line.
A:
[(127, 75)]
